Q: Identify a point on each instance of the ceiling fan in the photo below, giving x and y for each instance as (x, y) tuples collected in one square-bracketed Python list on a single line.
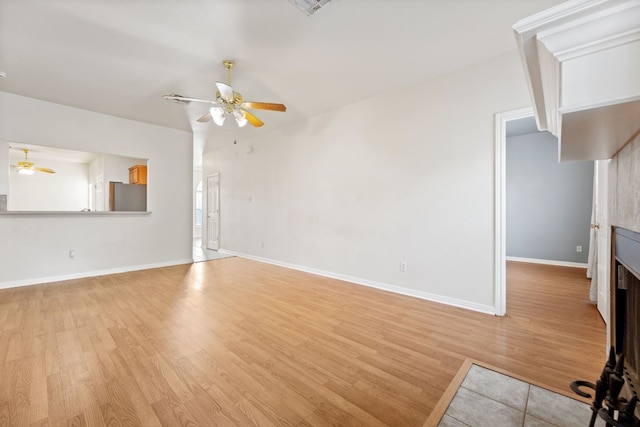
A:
[(229, 102), (29, 168)]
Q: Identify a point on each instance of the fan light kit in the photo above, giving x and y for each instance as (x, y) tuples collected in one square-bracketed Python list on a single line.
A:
[(29, 168), (229, 103)]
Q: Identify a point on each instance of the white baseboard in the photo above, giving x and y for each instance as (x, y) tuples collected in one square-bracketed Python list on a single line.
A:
[(469, 305), (548, 262), (84, 274), (487, 309)]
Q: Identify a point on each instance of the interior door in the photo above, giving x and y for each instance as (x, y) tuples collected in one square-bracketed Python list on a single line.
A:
[(213, 212), (603, 238)]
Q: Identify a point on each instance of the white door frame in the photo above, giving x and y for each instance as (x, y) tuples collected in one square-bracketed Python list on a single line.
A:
[(216, 245), (500, 251)]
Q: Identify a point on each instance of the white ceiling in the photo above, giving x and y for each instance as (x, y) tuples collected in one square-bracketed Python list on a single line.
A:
[(37, 152), (119, 56)]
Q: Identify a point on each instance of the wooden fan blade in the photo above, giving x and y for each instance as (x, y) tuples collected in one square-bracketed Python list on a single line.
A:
[(46, 170), (226, 91), (204, 118), (255, 122), (264, 106), (186, 99)]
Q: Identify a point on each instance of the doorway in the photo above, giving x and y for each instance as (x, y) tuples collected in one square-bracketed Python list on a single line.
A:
[(500, 209), (213, 211), (575, 171)]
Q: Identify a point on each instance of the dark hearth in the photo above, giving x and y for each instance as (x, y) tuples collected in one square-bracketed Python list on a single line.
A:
[(616, 391)]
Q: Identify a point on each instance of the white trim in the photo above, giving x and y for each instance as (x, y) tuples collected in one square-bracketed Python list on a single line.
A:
[(576, 108), (482, 308), (500, 168), (85, 274), (577, 29), (553, 14), (598, 45), (548, 262)]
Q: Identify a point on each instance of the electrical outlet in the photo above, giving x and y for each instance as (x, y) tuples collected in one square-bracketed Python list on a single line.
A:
[(403, 266), (578, 248)]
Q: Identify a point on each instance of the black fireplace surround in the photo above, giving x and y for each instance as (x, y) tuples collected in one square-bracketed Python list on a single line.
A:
[(625, 304), (616, 391)]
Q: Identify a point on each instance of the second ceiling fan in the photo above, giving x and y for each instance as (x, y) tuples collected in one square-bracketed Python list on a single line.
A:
[(229, 102), (28, 168)]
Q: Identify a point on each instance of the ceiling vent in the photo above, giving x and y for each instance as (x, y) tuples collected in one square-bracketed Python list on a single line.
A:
[(309, 7)]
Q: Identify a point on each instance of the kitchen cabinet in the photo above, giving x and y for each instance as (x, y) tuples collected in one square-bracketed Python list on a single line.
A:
[(138, 174)]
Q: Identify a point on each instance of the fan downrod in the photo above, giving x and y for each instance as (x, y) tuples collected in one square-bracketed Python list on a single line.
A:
[(229, 65)]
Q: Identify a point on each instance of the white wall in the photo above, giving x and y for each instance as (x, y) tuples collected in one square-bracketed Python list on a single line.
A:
[(65, 190), (35, 248), (404, 176)]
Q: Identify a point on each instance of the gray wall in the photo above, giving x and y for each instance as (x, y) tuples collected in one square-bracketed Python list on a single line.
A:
[(548, 203)]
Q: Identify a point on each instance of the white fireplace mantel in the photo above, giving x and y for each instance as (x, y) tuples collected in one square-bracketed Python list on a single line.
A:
[(582, 63)]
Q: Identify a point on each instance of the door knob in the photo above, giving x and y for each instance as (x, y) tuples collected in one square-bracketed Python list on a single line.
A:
[(596, 226)]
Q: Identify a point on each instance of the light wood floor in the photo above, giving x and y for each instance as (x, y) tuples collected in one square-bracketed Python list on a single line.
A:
[(237, 342)]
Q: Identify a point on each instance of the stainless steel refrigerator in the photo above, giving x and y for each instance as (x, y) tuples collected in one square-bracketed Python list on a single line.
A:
[(127, 197)]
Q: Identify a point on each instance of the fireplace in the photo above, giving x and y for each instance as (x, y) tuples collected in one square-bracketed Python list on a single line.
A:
[(616, 391), (625, 303)]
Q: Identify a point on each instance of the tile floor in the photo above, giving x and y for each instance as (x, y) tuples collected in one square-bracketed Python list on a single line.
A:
[(488, 398)]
